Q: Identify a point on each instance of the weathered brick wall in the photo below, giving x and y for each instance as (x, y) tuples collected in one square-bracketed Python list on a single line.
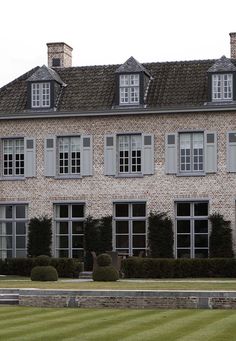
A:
[(98, 191)]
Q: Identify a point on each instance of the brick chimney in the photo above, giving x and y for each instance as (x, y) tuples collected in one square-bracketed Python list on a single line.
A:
[(59, 55), (233, 45)]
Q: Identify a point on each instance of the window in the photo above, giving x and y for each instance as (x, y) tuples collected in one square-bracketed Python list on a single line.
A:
[(69, 155), (192, 232), (222, 85), (129, 89), (130, 228), (191, 152), (129, 147), (13, 157), (40, 95), (13, 231), (69, 230)]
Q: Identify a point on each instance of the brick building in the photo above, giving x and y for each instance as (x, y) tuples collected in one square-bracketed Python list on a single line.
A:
[(120, 140)]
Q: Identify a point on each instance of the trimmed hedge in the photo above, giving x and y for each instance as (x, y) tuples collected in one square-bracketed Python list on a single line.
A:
[(44, 273), (137, 267), (105, 274), (104, 259), (66, 267)]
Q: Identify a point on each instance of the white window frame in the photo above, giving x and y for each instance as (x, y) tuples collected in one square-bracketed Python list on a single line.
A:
[(69, 220), (12, 252), (13, 165), (192, 218), (40, 95), (130, 220), (195, 156), (129, 89), (71, 163), (126, 145), (222, 87)]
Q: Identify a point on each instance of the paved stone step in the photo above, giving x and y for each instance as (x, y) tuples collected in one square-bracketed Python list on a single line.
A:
[(12, 299), (85, 275)]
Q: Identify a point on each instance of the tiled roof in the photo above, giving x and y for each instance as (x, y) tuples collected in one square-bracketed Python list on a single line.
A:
[(92, 88), (132, 65), (222, 65), (45, 74)]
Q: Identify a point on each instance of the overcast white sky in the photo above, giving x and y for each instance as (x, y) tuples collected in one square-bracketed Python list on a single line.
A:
[(110, 31)]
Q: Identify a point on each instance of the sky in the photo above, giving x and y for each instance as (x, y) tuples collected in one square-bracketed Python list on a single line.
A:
[(110, 31)]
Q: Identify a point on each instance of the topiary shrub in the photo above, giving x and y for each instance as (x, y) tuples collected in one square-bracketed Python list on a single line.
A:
[(105, 274), (104, 259), (42, 260), (39, 236), (44, 273)]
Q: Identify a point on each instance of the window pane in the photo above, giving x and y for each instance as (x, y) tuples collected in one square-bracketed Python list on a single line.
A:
[(8, 211), (122, 241), (201, 240), (139, 227), (122, 210), (20, 228), (77, 227), (62, 228), (201, 226), (6, 228), (63, 211), (21, 253), (6, 242), (122, 227), (201, 253), (183, 209), (139, 241), (77, 211), (78, 254), (183, 226), (201, 209), (63, 253), (139, 210), (183, 240), (20, 242), (77, 242), (183, 253), (63, 242)]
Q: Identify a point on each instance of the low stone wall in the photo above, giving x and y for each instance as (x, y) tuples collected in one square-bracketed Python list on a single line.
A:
[(128, 299)]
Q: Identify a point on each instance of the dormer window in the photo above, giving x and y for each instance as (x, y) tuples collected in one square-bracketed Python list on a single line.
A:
[(129, 89), (40, 95), (222, 87)]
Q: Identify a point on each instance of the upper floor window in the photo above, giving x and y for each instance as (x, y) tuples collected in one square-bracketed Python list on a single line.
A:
[(222, 87), (13, 157), (130, 149), (40, 95), (129, 89), (191, 146), (69, 155)]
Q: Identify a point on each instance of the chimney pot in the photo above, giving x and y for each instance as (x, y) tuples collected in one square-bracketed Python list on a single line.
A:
[(59, 55)]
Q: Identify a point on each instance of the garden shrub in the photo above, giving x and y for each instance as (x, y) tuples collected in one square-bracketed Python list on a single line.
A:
[(67, 267), (160, 236), (220, 242), (44, 273), (104, 259), (105, 274), (42, 260), (137, 267), (39, 236)]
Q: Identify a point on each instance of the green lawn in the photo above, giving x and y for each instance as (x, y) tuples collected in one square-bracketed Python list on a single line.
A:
[(183, 284), (23, 323)]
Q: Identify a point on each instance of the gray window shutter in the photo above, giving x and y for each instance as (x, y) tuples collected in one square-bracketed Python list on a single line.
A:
[(171, 153), (30, 157), (231, 152), (110, 155), (50, 156), (87, 156), (148, 154), (210, 152)]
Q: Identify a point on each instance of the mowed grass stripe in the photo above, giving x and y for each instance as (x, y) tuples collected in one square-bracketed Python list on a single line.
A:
[(168, 329), (215, 330), (46, 328), (52, 319), (80, 327)]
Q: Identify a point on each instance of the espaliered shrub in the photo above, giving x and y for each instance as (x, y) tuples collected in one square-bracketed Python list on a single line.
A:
[(39, 237), (104, 271), (220, 243), (44, 273), (137, 267), (98, 238), (66, 267), (160, 236)]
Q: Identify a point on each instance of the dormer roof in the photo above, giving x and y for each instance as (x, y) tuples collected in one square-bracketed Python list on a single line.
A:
[(45, 73), (222, 65), (132, 65)]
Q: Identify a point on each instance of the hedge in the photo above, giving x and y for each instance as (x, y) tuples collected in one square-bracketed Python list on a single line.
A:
[(137, 267), (66, 267), (44, 273)]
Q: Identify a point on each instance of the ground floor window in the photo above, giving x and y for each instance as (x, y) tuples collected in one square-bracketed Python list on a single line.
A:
[(69, 230), (192, 231), (13, 231), (130, 233)]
